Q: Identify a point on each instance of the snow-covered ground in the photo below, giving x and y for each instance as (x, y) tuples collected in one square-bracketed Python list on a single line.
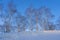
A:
[(46, 35)]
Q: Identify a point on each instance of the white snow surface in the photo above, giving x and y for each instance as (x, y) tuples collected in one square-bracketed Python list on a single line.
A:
[(46, 35)]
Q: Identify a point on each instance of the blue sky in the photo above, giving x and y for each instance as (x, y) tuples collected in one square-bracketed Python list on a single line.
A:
[(54, 5)]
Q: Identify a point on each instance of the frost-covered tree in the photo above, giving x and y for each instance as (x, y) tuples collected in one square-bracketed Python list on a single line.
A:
[(10, 10), (48, 16), (45, 17), (29, 12)]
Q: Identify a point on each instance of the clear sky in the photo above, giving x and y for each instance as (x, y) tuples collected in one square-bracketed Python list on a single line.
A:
[(54, 5)]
